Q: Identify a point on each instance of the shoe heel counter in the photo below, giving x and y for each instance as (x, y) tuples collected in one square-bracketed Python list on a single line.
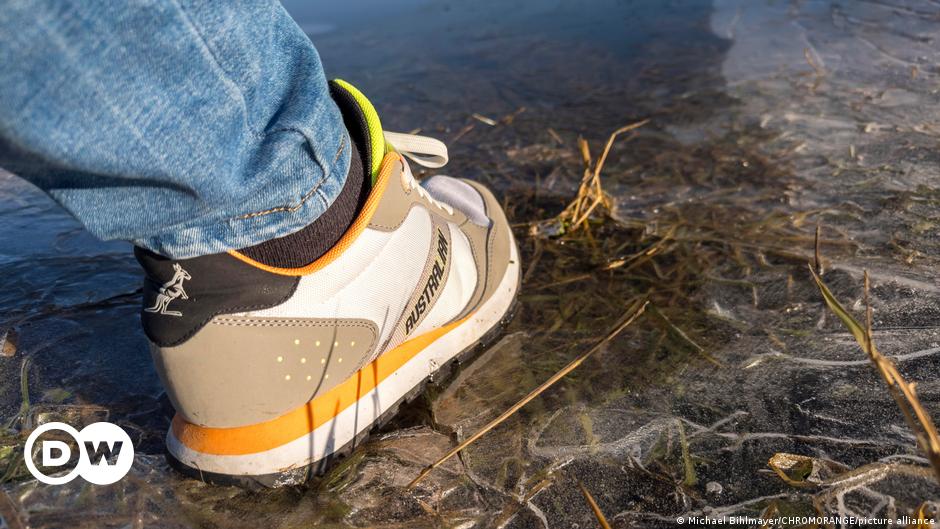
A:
[(241, 370), (180, 296)]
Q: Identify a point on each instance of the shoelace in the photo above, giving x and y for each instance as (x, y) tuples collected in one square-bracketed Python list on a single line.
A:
[(424, 151)]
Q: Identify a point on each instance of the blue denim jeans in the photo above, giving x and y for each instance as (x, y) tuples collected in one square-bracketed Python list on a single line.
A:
[(186, 127)]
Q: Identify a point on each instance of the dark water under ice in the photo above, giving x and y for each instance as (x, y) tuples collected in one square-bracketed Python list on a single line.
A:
[(766, 119)]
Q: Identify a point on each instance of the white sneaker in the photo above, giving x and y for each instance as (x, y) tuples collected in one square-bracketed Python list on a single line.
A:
[(274, 371)]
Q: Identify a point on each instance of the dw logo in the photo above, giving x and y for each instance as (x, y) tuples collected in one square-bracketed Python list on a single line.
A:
[(105, 453)]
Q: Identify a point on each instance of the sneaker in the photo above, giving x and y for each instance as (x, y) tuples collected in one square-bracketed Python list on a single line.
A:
[(275, 372)]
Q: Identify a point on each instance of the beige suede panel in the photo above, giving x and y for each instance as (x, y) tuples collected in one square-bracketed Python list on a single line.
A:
[(396, 203), (230, 374)]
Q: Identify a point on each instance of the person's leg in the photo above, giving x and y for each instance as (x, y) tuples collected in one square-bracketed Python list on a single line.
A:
[(187, 128), (299, 282)]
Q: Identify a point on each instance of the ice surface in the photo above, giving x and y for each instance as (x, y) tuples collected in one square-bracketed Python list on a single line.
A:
[(766, 119)]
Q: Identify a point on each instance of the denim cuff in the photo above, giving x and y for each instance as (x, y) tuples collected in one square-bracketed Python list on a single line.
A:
[(286, 200)]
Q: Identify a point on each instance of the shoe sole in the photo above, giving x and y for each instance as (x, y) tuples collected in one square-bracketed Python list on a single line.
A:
[(297, 461)]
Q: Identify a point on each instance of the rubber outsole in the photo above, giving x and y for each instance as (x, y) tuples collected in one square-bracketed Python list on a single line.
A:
[(301, 475)]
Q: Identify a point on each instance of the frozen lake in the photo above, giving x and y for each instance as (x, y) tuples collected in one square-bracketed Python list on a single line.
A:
[(766, 119)]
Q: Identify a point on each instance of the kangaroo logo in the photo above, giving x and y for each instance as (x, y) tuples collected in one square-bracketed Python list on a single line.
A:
[(171, 290)]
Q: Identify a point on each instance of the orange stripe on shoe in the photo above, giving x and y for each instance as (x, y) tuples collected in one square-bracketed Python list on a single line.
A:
[(365, 216), (301, 421)]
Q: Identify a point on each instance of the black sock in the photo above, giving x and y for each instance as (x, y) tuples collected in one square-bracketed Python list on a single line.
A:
[(305, 246)]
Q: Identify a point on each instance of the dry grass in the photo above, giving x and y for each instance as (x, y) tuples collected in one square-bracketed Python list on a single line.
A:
[(904, 393), (601, 519), (591, 196)]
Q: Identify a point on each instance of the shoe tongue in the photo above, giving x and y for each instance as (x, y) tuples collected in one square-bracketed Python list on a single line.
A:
[(363, 123)]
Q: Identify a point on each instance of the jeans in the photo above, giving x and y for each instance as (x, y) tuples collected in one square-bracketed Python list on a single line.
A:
[(185, 127)]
